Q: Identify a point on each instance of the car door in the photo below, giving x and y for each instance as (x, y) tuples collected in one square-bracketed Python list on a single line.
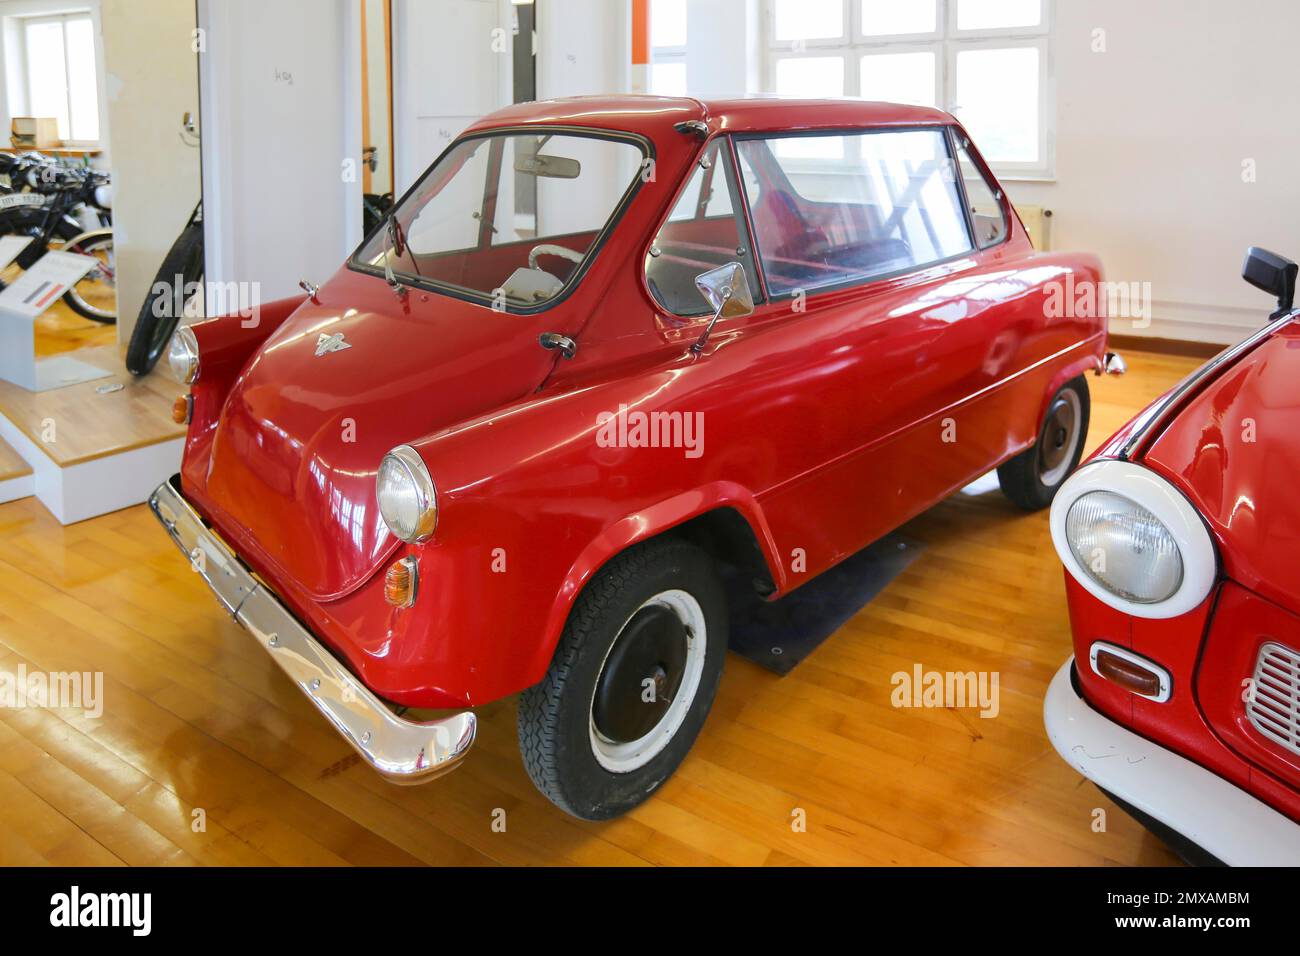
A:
[(895, 330)]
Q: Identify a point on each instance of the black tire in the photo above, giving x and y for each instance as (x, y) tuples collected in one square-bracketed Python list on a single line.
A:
[(558, 717), (164, 304), (1031, 479), (74, 297)]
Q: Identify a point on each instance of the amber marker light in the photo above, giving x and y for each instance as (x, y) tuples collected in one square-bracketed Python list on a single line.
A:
[(1130, 671), (181, 409), (400, 583)]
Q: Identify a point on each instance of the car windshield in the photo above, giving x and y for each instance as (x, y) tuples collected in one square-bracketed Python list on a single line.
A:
[(510, 217)]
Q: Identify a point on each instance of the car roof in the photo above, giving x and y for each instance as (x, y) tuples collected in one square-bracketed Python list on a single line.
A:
[(737, 114)]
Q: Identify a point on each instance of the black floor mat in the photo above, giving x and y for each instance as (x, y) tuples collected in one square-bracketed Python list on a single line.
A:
[(780, 634)]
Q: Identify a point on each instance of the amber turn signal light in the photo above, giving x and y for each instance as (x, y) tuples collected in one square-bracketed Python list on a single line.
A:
[(182, 409), (400, 582), (1130, 671)]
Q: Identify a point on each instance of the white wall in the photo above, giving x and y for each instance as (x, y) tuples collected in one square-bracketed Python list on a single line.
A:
[(584, 46), (721, 38), (451, 65), (1151, 138), (152, 76), (281, 113)]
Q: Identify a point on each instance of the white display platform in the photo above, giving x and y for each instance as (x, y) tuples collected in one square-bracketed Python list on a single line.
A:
[(86, 489), (30, 295), (94, 447), (11, 489)]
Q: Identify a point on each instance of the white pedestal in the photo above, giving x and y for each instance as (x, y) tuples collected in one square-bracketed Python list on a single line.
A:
[(19, 364), (20, 305)]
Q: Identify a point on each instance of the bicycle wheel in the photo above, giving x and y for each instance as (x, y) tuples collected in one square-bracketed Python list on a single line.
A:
[(95, 296), (165, 304)]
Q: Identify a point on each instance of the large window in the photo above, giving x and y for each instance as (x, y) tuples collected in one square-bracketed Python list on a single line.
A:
[(839, 209), (986, 61), (61, 73)]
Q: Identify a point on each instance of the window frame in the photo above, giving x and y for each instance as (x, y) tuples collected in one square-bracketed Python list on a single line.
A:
[(947, 131), (642, 142), (739, 212), (946, 41), (63, 18), (991, 181)]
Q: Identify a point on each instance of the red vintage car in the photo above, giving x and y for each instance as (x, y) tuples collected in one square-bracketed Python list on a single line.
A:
[(602, 348), (1179, 539)]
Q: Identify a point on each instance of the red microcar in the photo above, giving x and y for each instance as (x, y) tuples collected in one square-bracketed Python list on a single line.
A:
[(1179, 539), (602, 349)]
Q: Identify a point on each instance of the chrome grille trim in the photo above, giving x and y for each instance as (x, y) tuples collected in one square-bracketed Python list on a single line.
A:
[(1273, 704)]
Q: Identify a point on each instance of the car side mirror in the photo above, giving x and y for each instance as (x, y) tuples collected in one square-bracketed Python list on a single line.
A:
[(727, 291), (1274, 274)]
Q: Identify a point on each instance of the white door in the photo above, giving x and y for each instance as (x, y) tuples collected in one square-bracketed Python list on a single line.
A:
[(280, 90)]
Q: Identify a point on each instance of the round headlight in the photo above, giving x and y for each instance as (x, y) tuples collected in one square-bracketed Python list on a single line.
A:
[(183, 356), (407, 497), (1124, 547), (1133, 540)]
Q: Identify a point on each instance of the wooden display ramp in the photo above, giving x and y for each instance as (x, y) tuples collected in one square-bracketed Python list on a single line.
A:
[(93, 447)]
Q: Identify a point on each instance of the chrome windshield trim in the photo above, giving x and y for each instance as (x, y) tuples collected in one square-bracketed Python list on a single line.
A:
[(1158, 414)]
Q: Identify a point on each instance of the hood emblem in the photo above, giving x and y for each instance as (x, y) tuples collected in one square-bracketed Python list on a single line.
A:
[(331, 343)]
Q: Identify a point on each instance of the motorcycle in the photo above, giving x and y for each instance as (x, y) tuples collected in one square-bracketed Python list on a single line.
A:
[(179, 281), (42, 202)]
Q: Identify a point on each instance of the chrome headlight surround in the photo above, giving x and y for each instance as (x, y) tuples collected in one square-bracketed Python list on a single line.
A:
[(183, 356), (408, 499), (1171, 509)]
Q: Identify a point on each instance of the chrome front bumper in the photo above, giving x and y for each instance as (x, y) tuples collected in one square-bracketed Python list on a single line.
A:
[(403, 751), (1205, 808)]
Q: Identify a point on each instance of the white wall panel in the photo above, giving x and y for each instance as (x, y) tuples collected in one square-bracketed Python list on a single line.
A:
[(451, 65), (1152, 135), (584, 46), (280, 89)]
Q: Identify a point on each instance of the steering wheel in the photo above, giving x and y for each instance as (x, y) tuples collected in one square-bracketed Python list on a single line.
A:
[(548, 249)]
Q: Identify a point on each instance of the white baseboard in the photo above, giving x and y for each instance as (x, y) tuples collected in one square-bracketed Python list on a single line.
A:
[(1187, 322)]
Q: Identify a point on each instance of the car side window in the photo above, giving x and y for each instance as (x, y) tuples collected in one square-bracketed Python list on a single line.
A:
[(701, 233), (837, 209), (984, 197)]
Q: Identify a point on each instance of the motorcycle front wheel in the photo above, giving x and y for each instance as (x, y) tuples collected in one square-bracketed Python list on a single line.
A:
[(95, 296), (166, 303)]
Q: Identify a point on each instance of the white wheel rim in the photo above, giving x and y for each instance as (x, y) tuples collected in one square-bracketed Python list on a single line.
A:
[(1055, 475), (634, 754)]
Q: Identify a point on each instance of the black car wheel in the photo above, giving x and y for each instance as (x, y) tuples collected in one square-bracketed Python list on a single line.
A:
[(631, 682), (1031, 478)]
